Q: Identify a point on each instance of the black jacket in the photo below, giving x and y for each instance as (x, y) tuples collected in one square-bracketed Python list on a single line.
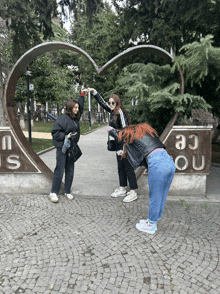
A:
[(138, 151), (121, 121), (66, 124)]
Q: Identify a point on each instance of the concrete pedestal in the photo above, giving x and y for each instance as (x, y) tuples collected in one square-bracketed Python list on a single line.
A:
[(185, 185)]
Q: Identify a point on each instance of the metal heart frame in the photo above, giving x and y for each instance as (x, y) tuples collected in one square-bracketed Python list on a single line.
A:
[(32, 54)]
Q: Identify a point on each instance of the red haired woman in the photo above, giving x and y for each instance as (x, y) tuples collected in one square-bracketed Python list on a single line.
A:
[(118, 120), (143, 148)]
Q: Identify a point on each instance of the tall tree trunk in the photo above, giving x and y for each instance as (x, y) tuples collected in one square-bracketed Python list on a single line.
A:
[(3, 38), (2, 108)]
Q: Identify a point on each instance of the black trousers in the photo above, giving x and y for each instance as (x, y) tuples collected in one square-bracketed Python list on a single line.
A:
[(64, 163), (126, 173)]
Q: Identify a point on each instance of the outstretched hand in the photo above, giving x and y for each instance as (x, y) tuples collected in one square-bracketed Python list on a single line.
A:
[(87, 90), (90, 89)]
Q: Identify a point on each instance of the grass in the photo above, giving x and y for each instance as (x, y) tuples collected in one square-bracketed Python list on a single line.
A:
[(40, 127), (42, 144), (184, 204)]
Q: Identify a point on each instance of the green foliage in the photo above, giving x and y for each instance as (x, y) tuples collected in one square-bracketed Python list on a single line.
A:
[(158, 94), (81, 7), (102, 42), (200, 62), (167, 23), (182, 103), (184, 204), (53, 78), (197, 59), (27, 20)]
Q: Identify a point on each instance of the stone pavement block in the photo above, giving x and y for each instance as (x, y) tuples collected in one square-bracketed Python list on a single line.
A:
[(107, 253)]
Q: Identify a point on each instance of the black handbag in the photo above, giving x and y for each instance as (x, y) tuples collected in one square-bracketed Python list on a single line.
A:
[(74, 151), (111, 146)]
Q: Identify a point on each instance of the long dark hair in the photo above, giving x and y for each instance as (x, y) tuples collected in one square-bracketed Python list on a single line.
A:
[(119, 104), (69, 109)]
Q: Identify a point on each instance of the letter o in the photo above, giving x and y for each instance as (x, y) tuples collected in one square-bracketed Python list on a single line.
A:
[(186, 162)]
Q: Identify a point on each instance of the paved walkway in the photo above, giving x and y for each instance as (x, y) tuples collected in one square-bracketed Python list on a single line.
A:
[(91, 246)]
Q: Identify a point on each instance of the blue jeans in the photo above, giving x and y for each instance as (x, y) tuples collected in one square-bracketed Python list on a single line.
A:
[(161, 169), (64, 163)]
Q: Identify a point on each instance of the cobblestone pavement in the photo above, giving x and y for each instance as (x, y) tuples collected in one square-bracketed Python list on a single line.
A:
[(91, 245)]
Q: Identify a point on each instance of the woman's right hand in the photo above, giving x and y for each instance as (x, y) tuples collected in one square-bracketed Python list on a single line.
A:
[(85, 90), (90, 89)]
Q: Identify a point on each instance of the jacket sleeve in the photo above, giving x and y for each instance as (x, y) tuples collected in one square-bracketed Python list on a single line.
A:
[(114, 133), (102, 102), (58, 131), (123, 118), (81, 103)]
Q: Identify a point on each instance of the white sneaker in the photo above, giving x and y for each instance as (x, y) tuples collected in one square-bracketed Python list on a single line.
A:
[(143, 221), (148, 227), (69, 196), (53, 197), (132, 195), (119, 192)]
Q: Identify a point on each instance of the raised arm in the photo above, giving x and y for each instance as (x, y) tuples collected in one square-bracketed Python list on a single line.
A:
[(99, 99)]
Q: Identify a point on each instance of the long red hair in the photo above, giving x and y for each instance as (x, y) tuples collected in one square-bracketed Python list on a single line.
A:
[(130, 133)]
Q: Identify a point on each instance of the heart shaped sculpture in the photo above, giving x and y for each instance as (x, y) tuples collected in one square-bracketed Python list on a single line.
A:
[(20, 165)]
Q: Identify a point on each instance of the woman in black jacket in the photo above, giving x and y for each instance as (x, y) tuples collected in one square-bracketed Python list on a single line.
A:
[(119, 120), (66, 125), (143, 148)]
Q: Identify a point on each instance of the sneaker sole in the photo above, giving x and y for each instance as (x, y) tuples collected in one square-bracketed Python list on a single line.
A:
[(118, 195), (54, 201), (138, 226), (68, 198), (127, 201)]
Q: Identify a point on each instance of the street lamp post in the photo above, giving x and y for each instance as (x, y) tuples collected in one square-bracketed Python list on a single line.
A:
[(89, 111), (28, 73), (99, 116)]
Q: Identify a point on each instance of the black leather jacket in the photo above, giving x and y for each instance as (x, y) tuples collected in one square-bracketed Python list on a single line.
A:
[(66, 124), (138, 151), (121, 121)]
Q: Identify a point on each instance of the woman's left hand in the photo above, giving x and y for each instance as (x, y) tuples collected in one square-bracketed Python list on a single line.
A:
[(109, 128)]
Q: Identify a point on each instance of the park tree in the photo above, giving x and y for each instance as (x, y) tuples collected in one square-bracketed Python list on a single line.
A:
[(156, 90), (3, 69), (25, 23), (77, 8), (52, 75), (200, 62), (169, 23), (102, 42), (28, 22)]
